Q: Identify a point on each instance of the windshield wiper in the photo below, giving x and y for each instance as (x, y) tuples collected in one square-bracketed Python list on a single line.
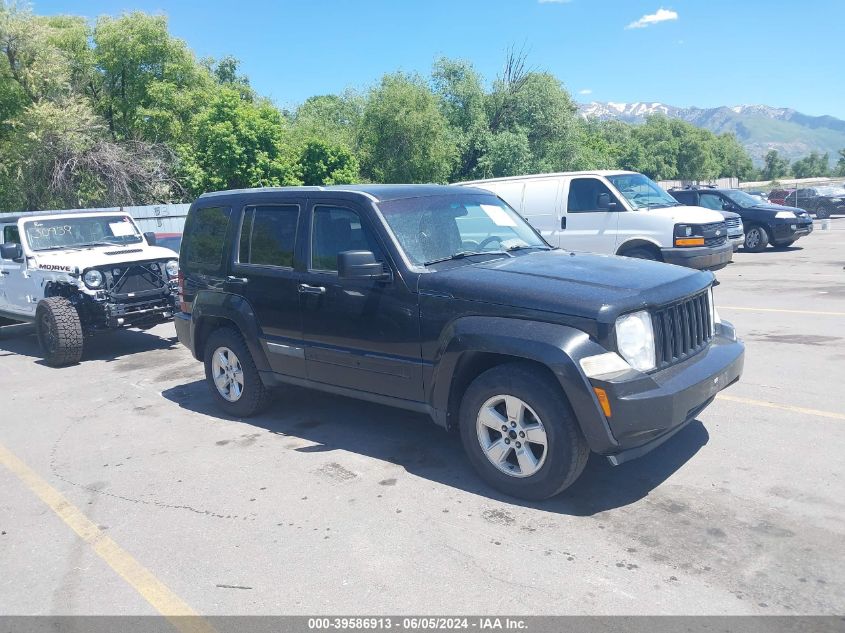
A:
[(521, 247), (462, 255)]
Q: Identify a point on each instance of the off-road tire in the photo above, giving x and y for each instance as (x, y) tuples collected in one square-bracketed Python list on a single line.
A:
[(255, 397), (59, 331), (641, 253), (756, 239), (566, 450)]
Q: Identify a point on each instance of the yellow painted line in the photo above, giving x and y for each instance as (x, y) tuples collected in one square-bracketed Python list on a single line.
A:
[(139, 577), (783, 407), (721, 307)]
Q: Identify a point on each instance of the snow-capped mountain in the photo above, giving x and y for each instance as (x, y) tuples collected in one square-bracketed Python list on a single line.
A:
[(759, 128)]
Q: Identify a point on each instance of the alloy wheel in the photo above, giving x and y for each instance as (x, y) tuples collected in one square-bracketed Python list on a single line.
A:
[(227, 374), (512, 436)]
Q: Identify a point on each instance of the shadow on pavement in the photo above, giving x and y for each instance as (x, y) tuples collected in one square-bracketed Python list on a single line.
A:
[(413, 442), (20, 340)]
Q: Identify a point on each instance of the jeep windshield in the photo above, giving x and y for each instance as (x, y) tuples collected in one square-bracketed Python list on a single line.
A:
[(433, 229), (642, 192), (60, 233)]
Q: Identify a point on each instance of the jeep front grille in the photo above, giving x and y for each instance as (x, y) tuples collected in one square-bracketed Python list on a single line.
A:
[(681, 330), (138, 280)]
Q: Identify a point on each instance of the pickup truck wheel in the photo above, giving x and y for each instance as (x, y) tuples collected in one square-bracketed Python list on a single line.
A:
[(59, 331), (823, 211), (232, 376), (756, 239), (520, 434)]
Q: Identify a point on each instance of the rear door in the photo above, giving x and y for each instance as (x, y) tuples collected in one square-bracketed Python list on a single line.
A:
[(265, 272), (588, 227), (361, 334), (17, 287)]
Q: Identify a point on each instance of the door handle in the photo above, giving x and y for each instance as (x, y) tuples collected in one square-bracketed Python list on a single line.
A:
[(563, 222), (311, 290), (236, 280)]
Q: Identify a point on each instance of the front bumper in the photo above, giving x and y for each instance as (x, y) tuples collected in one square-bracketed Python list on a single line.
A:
[(700, 257), (647, 409), (736, 241), (139, 313), (789, 230)]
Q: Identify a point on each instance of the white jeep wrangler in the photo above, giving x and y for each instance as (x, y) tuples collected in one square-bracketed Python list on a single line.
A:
[(76, 274)]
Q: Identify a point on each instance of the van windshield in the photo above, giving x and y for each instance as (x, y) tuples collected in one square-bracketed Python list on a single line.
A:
[(67, 232), (432, 229), (642, 192)]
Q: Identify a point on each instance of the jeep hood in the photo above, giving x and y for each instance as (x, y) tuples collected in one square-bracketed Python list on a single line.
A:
[(92, 256), (584, 285)]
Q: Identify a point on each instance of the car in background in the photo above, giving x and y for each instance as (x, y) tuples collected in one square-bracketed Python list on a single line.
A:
[(733, 221), (764, 223), (173, 241), (820, 201), (778, 196)]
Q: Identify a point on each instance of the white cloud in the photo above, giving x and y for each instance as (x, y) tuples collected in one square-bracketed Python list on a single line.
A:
[(554, 1), (585, 91), (661, 15)]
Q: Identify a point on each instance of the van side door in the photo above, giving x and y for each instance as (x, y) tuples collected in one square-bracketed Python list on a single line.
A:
[(541, 207), (589, 227)]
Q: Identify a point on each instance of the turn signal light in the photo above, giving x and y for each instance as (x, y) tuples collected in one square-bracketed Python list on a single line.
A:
[(180, 284), (601, 394), (689, 241)]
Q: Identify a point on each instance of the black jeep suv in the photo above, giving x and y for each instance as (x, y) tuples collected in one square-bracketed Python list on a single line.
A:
[(764, 223), (445, 301)]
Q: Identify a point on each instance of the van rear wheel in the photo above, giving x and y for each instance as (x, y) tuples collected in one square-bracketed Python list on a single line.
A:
[(59, 331), (520, 434)]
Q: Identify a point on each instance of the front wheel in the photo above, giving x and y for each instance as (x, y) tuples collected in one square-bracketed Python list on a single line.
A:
[(641, 253), (59, 331), (756, 239), (823, 211), (232, 377), (520, 434)]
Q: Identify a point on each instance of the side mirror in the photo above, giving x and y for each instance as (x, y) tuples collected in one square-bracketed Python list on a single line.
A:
[(151, 238), (604, 203), (11, 251), (361, 265)]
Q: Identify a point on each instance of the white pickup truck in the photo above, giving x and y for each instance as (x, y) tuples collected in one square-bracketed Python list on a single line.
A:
[(76, 274)]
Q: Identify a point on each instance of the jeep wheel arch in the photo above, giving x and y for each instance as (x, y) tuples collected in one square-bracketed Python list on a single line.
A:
[(213, 310), (475, 344)]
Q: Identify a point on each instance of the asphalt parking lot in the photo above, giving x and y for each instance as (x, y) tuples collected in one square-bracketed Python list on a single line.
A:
[(123, 490)]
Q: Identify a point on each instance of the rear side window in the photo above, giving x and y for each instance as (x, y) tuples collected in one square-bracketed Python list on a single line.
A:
[(11, 235), (205, 238), (268, 235)]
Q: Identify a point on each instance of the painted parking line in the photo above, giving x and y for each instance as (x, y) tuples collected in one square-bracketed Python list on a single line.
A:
[(783, 407), (160, 597), (746, 309)]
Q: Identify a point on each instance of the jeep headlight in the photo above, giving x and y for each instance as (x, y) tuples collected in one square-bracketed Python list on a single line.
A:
[(93, 279), (785, 215), (172, 268), (635, 340)]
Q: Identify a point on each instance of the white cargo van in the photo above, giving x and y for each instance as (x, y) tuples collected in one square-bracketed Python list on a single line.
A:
[(616, 212)]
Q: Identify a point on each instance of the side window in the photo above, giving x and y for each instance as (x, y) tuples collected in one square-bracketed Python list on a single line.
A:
[(710, 201), (584, 195), (11, 234), (205, 238), (268, 234), (335, 230)]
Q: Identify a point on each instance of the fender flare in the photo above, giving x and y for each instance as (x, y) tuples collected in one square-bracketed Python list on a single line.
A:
[(229, 307), (638, 242), (557, 347)]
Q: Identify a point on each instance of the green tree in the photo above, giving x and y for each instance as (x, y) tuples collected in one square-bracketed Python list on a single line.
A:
[(812, 166), (331, 118), (236, 144), (840, 164), (325, 164), (774, 166), (404, 137)]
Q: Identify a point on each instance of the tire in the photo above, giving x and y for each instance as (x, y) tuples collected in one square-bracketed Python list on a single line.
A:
[(823, 211), (59, 331), (641, 253), (488, 400), (232, 377), (756, 239)]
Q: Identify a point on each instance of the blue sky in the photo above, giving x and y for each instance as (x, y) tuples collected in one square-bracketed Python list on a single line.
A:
[(688, 52)]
